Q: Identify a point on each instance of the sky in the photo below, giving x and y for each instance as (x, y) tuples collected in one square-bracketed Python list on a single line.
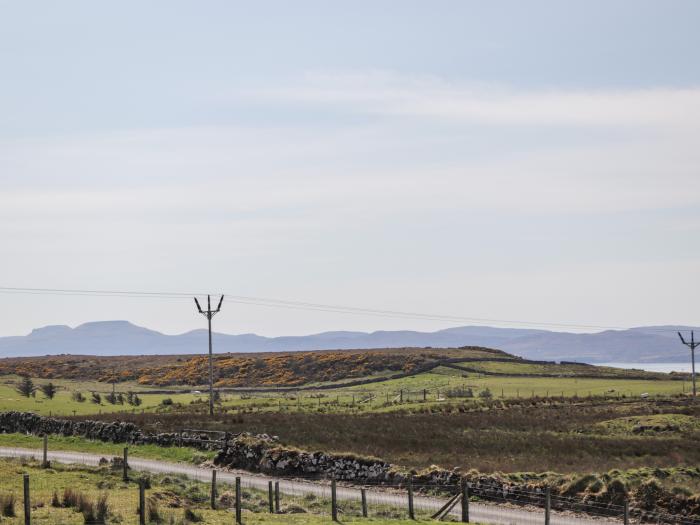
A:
[(532, 161)]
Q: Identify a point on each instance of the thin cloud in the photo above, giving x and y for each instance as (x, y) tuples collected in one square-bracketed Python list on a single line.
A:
[(388, 94)]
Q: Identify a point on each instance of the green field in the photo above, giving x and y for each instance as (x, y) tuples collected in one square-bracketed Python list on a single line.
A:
[(63, 405), (76, 444), (426, 389), (444, 385)]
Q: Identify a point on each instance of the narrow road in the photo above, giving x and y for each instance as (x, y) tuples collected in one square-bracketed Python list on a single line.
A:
[(479, 512)]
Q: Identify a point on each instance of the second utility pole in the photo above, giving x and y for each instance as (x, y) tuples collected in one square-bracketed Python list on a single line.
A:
[(209, 313), (692, 345)]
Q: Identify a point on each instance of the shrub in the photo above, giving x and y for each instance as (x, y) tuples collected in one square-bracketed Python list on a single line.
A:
[(7, 505), (102, 508), (25, 386), (191, 516), (96, 398), (49, 390), (77, 396), (166, 402), (133, 399), (70, 498), (485, 393), (55, 500), (153, 511)]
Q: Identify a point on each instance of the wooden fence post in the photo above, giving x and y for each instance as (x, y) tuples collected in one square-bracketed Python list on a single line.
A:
[(626, 516), (411, 514), (238, 501), (27, 501), (125, 465), (547, 505), (277, 497), (363, 493), (142, 502), (465, 501), (334, 502), (270, 497), (212, 495), (45, 462)]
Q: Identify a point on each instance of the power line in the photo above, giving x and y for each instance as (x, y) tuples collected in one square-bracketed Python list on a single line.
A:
[(308, 306)]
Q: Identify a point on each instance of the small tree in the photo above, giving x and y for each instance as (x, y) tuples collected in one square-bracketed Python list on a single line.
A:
[(25, 386), (49, 390), (77, 396), (485, 393), (96, 398), (112, 396), (133, 399)]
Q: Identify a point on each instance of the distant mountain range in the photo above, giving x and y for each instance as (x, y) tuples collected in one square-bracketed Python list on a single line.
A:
[(647, 344)]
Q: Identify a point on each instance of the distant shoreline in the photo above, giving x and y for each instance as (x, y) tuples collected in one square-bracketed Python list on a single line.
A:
[(652, 367)]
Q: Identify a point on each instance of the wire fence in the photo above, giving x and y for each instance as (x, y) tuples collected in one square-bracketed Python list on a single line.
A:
[(74, 488)]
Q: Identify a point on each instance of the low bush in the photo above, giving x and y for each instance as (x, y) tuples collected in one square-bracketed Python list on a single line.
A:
[(7, 505)]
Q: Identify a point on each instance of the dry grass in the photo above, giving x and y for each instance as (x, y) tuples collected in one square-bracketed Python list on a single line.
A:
[(518, 435)]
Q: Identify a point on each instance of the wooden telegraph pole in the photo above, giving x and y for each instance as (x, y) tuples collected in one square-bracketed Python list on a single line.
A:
[(209, 313), (692, 345)]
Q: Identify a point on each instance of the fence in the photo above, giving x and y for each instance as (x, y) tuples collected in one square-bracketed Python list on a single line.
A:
[(75, 495)]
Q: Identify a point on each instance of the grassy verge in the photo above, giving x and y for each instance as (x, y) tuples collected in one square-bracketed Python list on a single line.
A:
[(76, 444), (63, 494)]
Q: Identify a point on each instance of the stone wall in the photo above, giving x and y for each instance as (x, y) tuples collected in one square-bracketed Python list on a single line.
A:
[(113, 432), (263, 453)]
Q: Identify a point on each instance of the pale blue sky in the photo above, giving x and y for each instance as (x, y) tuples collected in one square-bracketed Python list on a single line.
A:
[(519, 160)]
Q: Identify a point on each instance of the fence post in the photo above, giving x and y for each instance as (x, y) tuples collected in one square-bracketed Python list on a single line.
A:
[(142, 502), (626, 516), (277, 497), (334, 502), (27, 501), (238, 501), (125, 465), (547, 505), (363, 493), (213, 490), (465, 501), (270, 497), (45, 462), (411, 514)]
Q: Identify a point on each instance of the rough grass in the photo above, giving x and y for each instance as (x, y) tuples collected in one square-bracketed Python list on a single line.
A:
[(99, 493), (653, 424), (508, 436)]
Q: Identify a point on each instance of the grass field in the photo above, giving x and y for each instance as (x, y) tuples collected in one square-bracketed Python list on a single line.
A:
[(169, 499), (425, 389), (182, 454), (63, 404)]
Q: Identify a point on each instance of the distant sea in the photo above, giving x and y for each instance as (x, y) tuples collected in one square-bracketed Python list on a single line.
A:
[(655, 367)]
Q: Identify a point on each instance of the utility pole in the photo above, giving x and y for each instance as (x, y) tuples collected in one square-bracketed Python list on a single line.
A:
[(692, 345), (209, 313)]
